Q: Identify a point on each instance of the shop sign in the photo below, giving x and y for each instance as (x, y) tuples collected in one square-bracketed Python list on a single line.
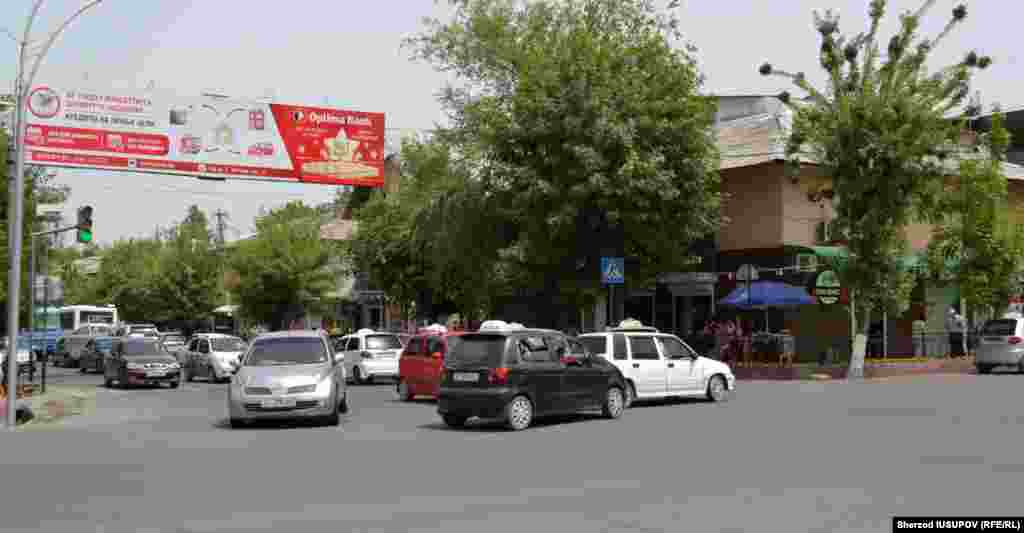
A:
[(671, 278), (206, 136), (827, 287)]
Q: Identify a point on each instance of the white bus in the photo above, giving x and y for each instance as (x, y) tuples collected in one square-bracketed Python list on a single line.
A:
[(73, 317)]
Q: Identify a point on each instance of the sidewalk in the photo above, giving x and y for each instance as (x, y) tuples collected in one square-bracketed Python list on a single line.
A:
[(872, 370), (60, 402)]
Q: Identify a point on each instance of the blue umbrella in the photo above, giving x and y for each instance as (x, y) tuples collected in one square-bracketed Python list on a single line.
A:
[(766, 295)]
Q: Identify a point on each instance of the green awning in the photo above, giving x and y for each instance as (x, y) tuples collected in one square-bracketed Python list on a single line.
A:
[(914, 261), (830, 252)]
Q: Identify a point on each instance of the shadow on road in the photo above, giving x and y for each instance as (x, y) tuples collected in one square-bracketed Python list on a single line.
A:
[(267, 425), (490, 425)]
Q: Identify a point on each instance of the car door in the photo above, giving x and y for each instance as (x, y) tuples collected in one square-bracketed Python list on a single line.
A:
[(351, 354), (111, 365), (681, 366), (586, 379), (76, 341), (409, 365), (87, 360), (647, 367), (203, 357), (541, 373)]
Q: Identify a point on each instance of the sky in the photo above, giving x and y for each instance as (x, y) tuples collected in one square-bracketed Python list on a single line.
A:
[(347, 54)]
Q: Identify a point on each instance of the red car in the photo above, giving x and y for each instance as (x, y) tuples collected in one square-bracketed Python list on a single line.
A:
[(419, 367)]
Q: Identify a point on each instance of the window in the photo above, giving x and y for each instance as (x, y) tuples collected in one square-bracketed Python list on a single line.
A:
[(383, 342), (1000, 328), (619, 347), (558, 347), (476, 350), (192, 345), (96, 317), (534, 349), (204, 346), (339, 344), (644, 348), (287, 351), (674, 348), (353, 344), (67, 320), (434, 345), (228, 344), (578, 349), (141, 349), (595, 345)]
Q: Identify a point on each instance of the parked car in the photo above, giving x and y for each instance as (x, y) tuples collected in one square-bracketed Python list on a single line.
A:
[(212, 356), (1001, 344), (140, 361), (174, 343), (137, 330), (370, 355), (94, 354), (288, 374), (24, 355), (420, 365), (69, 352), (518, 374), (659, 365)]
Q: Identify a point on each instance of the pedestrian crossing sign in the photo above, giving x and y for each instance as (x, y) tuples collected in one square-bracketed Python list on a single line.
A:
[(613, 271)]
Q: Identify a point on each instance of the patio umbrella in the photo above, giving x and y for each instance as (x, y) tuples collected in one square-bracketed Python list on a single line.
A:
[(766, 295)]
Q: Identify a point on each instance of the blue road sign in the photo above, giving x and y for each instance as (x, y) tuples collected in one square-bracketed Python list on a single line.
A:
[(613, 271)]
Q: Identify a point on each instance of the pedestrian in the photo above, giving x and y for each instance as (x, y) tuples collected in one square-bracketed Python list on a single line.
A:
[(955, 327), (920, 329)]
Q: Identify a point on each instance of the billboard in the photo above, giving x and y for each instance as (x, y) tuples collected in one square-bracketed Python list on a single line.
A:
[(203, 136)]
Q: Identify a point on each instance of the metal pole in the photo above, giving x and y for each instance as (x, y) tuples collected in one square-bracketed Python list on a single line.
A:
[(17, 186), (32, 290)]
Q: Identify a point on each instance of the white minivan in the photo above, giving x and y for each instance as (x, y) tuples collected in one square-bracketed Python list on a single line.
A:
[(1001, 344), (660, 365)]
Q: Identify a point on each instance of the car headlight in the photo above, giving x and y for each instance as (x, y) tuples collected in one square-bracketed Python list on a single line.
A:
[(174, 366)]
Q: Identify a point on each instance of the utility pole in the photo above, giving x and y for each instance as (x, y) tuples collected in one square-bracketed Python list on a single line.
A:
[(222, 217), (16, 174)]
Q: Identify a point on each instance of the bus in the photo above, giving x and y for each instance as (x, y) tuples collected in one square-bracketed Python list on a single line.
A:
[(73, 317)]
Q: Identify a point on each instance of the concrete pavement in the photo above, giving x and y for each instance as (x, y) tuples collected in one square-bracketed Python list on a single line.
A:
[(778, 457)]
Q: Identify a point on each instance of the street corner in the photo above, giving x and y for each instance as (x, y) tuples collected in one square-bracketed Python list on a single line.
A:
[(59, 403)]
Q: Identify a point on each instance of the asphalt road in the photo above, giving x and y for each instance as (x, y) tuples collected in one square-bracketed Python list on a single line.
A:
[(778, 457)]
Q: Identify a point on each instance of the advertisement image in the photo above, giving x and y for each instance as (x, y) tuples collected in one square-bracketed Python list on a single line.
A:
[(203, 136)]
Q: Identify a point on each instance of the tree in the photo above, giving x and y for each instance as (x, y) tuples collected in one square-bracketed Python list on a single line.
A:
[(882, 132), (285, 267), (189, 275), (977, 246), (128, 278), (582, 120)]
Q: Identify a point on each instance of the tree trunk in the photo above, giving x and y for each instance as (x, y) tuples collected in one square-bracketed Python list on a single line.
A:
[(860, 345)]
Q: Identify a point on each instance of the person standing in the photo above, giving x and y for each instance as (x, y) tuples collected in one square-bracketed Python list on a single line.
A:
[(920, 329), (955, 326)]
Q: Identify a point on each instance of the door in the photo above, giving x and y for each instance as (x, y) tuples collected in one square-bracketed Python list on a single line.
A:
[(410, 365), (431, 365), (541, 373), (112, 364), (647, 367), (681, 366), (351, 354), (587, 380)]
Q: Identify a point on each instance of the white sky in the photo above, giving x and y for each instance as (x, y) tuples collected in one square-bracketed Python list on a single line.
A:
[(345, 53)]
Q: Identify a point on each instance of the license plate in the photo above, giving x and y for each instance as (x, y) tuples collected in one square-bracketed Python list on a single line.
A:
[(992, 339), (279, 402), (466, 377), (155, 374)]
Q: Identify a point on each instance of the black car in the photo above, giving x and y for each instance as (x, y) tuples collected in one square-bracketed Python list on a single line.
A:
[(140, 361), (518, 374)]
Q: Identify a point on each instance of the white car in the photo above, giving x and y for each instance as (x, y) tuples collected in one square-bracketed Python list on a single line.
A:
[(659, 365), (24, 355), (370, 354), (212, 356)]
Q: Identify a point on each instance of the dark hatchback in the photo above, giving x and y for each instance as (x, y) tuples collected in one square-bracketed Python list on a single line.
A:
[(140, 361), (520, 374)]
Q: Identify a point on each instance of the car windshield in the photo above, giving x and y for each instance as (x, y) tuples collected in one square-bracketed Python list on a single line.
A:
[(475, 350), (141, 349), (1000, 328), (104, 344), (383, 342), (287, 351), (227, 345)]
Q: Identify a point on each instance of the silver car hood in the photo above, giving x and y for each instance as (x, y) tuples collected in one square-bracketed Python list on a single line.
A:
[(287, 376)]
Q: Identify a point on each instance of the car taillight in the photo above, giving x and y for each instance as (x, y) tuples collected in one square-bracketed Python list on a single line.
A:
[(366, 355), (1015, 340), (497, 376)]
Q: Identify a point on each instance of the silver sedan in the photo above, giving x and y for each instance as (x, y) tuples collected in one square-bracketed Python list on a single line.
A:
[(288, 374)]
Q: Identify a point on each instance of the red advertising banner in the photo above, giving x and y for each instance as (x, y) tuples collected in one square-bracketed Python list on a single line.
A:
[(151, 131)]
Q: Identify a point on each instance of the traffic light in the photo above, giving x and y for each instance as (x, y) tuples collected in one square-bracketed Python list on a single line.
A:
[(85, 224)]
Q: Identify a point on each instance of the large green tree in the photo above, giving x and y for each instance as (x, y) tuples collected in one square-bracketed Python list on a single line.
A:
[(128, 277), (189, 274), (285, 268), (882, 130), (582, 120)]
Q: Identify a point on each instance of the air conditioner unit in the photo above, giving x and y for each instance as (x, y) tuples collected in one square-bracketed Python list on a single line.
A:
[(807, 262)]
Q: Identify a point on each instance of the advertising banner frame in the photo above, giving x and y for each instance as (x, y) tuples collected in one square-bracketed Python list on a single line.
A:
[(206, 137)]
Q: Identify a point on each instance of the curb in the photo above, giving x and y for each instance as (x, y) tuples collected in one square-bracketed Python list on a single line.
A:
[(60, 402)]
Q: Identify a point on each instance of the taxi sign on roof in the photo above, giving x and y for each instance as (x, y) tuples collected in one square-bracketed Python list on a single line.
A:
[(499, 325), (364, 331), (632, 324)]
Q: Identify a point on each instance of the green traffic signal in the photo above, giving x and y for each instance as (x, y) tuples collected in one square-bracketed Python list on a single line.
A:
[(85, 236), (84, 224)]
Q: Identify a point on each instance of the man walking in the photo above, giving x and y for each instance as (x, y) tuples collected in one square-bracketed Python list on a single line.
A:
[(955, 326), (920, 328)]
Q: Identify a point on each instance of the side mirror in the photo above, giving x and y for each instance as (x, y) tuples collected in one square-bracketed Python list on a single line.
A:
[(437, 355)]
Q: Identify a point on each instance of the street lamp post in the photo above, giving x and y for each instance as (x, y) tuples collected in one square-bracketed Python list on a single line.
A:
[(16, 162)]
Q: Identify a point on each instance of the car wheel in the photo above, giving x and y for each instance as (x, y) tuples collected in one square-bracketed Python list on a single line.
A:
[(519, 413), (717, 390), (357, 376), (237, 423), (614, 403), (629, 395), (211, 375), (108, 383), (174, 384), (83, 369), (334, 418), (343, 405), (404, 392), (454, 421), (189, 374), (984, 369)]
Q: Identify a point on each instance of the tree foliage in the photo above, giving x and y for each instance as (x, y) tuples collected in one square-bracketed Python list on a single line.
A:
[(580, 126), (882, 131), (188, 277), (284, 269)]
